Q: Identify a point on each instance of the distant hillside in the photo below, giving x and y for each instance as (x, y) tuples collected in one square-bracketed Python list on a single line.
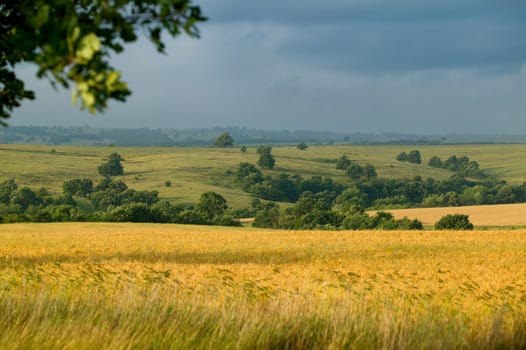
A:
[(194, 170), (87, 136)]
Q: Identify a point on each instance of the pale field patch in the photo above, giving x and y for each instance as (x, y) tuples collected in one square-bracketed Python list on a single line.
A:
[(479, 215)]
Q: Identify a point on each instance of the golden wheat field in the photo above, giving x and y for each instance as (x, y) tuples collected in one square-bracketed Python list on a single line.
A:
[(480, 215), (145, 286)]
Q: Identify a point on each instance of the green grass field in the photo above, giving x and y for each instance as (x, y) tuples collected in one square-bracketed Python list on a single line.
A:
[(146, 286), (193, 171)]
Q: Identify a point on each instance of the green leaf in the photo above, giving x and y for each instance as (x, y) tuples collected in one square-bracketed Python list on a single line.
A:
[(89, 45)]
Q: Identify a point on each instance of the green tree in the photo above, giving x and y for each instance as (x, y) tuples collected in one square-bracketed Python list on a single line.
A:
[(355, 171), (224, 140), (78, 187), (343, 163), (414, 157), (302, 146), (454, 222), (7, 188), (402, 157), (25, 197), (243, 149), (212, 205), (369, 172), (266, 159), (71, 42), (112, 167), (263, 149), (435, 162)]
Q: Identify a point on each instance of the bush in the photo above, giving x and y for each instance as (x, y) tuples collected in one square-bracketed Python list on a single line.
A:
[(78, 187), (266, 161), (454, 222), (112, 167), (343, 163), (132, 212), (302, 146)]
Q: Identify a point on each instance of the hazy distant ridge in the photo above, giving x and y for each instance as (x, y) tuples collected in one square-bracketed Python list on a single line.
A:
[(203, 137)]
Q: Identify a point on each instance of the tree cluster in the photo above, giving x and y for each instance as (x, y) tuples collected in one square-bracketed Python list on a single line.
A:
[(356, 171), (224, 140), (321, 211), (110, 200), (382, 193), (413, 156), (283, 187), (462, 165)]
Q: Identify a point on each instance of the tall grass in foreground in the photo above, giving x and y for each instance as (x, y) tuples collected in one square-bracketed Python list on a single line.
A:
[(92, 286)]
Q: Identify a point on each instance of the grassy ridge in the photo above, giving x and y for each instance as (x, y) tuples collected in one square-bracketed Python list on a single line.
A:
[(93, 286), (193, 171)]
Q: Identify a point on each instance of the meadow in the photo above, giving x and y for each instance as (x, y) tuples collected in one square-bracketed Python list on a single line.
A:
[(145, 286), (194, 170)]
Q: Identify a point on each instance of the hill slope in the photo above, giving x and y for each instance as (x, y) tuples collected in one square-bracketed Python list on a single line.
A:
[(193, 171)]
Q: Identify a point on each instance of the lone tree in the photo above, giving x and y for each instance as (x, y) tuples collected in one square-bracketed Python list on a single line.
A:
[(71, 43), (302, 146), (454, 222), (112, 167), (224, 140), (266, 159), (414, 157)]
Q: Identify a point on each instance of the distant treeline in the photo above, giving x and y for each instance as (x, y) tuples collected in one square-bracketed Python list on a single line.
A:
[(206, 136), (111, 201)]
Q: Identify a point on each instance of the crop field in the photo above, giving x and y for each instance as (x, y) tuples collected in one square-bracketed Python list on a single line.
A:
[(479, 215), (145, 286), (193, 170)]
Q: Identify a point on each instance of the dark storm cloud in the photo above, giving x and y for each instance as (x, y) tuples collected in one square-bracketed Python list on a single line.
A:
[(395, 36), (424, 66), (309, 12)]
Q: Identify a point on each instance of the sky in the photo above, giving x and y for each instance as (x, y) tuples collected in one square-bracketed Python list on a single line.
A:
[(374, 66)]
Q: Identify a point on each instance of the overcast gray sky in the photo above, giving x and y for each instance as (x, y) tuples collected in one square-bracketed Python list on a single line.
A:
[(414, 66)]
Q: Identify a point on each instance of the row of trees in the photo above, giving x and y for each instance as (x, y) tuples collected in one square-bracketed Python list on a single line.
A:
[(324, 210), (107, 201), (462, 165), (356, 171)]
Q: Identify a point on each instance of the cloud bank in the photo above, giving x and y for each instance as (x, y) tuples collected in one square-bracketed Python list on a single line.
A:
[(353, 66)]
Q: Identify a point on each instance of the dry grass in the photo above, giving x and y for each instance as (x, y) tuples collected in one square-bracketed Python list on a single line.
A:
[(123, 286), (480, 215)]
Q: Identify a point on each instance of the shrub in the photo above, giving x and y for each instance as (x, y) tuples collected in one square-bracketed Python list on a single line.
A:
[(302, 146), (112, 167), (343, 162), (454, 222), (402, 157)]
